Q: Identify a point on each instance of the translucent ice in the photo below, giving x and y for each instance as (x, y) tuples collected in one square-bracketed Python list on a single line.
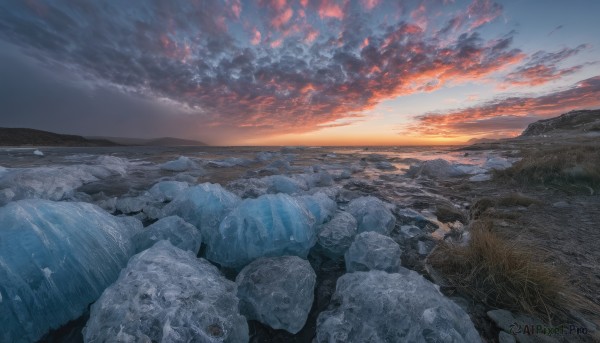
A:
[(372, 215), (371, 250), (167, 295), (270, 225), (320, 205), (277, 291), (56, 183), (174, 229), (336, 235), (38, 153), (167, 190), (131, 204), (248, 188), (183, 163), (230, 162), (498, 163), (203, 206), (379, 307), (285, 184), (438, 168), (56, 258)]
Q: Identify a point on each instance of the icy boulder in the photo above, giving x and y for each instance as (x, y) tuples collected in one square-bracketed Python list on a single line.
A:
[(203, 206), (248, 188), (379, 307), (320, 205), (230, 162), (371, 250), (277, 291), (38, 153), (128, 205), (167, 295), (372, 215), (183, 163), (167, 190), (336, 235), (270, 225), (284, 184), (56, 258), (174, 229), (437, 169)]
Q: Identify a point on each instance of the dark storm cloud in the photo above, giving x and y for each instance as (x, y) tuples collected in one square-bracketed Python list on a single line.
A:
[(262, 67)]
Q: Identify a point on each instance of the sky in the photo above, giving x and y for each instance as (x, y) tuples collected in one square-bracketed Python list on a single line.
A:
[(304, 72)]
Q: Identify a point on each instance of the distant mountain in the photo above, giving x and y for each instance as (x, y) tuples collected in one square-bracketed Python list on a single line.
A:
[(32, 137), (583, 122), (164, 141)]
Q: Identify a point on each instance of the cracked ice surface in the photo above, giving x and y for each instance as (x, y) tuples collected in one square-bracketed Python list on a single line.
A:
[(270, 225), (378, 307), (167, 295), (56, 258)]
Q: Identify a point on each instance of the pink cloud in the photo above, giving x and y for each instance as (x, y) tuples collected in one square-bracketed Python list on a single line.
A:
[(370, 4), (330, 9), (256, 37)]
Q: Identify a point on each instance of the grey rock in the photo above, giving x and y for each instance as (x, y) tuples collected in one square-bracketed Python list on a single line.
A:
[(504, 337)]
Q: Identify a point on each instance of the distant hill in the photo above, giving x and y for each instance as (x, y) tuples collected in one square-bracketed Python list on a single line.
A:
[(164, 141), (32, 137), (583, 122)]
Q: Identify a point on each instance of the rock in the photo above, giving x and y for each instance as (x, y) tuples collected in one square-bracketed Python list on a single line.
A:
[(517, 325), (376, 307), (270, 225), (167, 295), (167, 190), (277, 291), (320, 205), (372, 215), (203, 206), (504, 337), (56, 258), (337, 235), (373, 251), (181, 164), (174, 229), (425, 247), (410, 231)]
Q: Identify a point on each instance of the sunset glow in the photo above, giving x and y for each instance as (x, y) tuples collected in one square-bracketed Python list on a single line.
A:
[(308, 72)]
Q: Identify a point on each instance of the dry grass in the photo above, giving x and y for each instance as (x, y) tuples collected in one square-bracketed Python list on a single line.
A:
[(486, 206), (502, 274), (567, 165)]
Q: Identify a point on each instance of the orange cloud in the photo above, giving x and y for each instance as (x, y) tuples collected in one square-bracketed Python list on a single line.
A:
[(330, 9)]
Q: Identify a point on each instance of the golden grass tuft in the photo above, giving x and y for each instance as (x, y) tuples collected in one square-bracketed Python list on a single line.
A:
[(502, 274), (570, 165)]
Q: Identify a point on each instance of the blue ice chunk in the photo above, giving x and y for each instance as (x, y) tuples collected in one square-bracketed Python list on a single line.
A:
[(371, 250), (230, 162), (372, 215), (284, 184), (337, 235), (167, 295), (174, 229), (167, 190), (203, 206), (55, 259), (277, 291), (320, 205), (380, 307), (183, 163), (270, 225), (128, 205)]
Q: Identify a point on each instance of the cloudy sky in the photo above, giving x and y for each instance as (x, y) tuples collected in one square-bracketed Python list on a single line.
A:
[(315, 72)]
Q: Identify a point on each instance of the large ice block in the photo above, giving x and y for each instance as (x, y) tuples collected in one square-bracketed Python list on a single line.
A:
[(371, 250), (320, 205), (183, 163), (277, 291), (270, 225), (55, 259), (372, 215), (203, 206), (379, 307), (167, 190), (174, 229), (167, 295)]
